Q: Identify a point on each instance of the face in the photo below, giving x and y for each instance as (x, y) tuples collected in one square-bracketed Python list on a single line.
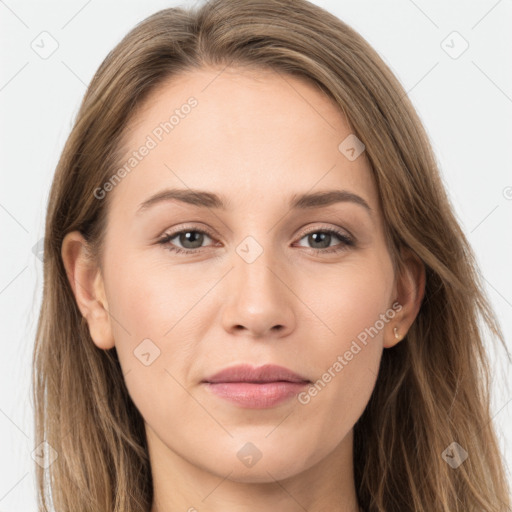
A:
[(264, 277)]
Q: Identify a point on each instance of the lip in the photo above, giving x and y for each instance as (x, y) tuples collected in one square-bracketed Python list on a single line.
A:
[(256, 387), (256, 374)]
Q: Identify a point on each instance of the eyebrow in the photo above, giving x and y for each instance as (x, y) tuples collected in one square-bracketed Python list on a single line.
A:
[(205, 199)]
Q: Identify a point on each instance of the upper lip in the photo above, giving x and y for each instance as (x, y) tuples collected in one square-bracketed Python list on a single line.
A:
[(260, 374)]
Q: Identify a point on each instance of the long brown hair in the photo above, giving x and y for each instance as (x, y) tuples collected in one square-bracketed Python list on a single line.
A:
[(432, 388)]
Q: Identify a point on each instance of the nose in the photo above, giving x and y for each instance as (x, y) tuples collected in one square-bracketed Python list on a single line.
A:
[(259, 300)]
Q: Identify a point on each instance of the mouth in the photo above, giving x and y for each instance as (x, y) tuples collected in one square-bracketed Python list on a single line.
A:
[(256, 388)]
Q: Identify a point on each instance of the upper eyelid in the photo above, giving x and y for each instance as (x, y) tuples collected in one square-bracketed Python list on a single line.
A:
[(307, 231)]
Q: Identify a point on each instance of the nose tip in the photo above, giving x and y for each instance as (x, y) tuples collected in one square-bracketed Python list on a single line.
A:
[(258, 301)]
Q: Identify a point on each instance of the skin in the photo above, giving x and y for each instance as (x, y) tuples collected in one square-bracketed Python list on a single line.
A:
[(256, 137)]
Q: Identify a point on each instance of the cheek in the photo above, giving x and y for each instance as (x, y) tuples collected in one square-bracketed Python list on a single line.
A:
[(350, 299), (355, 306), (151, 295), (158, 313)]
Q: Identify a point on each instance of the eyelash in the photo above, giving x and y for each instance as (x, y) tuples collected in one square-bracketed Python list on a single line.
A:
[(347, 241)]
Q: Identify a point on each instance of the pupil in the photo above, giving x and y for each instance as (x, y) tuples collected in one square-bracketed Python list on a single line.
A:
[(323, 237), (191, 236)]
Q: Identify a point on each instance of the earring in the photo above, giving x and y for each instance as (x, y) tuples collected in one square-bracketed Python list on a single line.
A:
[(397, 336)]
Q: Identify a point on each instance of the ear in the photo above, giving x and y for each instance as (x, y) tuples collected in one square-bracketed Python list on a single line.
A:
[(87, 283), (410, 290)]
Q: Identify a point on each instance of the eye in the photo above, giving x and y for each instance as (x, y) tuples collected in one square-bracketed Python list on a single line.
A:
[(322, 238), (191, 240)]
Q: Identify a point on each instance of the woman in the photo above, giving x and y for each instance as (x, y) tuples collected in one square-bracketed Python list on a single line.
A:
[(196, 349)]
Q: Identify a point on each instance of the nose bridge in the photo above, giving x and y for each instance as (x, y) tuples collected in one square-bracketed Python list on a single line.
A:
[(258, 298), (256, 265)]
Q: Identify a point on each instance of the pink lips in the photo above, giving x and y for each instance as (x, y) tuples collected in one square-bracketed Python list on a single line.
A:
[(256, 387)]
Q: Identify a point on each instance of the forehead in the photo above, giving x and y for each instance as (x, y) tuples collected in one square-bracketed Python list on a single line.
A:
[(251, 134)]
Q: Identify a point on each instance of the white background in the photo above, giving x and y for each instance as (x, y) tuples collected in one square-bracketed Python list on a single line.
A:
[(465, 104)]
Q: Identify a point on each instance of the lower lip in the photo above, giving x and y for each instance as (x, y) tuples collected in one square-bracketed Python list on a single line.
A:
[(256, 396)]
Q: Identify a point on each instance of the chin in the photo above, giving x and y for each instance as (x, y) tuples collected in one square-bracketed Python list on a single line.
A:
[(261, 474), (251, 465)]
